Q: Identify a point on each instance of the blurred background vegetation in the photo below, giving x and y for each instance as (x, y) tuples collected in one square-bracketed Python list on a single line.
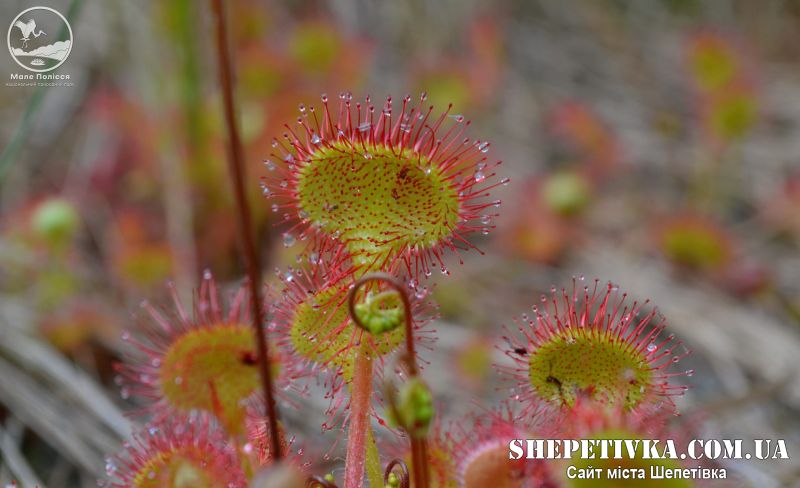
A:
[(653, 143)]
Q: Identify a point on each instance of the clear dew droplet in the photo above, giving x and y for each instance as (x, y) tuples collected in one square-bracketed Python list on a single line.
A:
[(288, 240), (315, 139), (651, 347), (479, 176)]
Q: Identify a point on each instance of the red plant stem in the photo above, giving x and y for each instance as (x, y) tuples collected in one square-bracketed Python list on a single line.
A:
[(246, 240), (360, 396)]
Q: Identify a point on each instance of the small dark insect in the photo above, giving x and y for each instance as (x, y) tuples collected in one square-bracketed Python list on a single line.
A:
[(403, 173), (248, 358), (553, 380), (521, 351), (395, 195)]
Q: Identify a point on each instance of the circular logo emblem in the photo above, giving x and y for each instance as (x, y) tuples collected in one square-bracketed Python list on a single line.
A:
[(39, 39)]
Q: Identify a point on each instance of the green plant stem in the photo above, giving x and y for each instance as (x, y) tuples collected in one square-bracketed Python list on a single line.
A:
[(359, 430)]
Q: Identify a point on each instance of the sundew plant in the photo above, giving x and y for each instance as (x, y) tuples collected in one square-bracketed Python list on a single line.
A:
[(359, 243), (374, 196)]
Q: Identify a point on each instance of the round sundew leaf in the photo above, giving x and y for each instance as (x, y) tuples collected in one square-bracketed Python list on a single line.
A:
[(733, 115), (638, 463), (377, 201), (492, 467), (694, 246), (212, 369), (566, 193), (713, 65), (591, 361), (321, 331), (174, 470), (55, 220)]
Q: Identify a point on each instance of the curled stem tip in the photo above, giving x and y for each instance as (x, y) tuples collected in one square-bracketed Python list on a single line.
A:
[(392, 478), (419, 447), (395, 284)]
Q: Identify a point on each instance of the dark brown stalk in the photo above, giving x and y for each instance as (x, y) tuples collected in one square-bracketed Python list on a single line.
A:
[(246, 238), (419, 445)]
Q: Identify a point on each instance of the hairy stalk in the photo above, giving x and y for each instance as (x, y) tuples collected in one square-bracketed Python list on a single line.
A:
[(358, 431), (246, 239)]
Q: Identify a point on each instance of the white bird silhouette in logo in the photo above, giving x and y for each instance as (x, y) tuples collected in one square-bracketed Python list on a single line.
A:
[(27, 29)]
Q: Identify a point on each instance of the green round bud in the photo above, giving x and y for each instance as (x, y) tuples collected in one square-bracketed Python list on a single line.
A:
[(380, 313), (393, 481), (414, 408)]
